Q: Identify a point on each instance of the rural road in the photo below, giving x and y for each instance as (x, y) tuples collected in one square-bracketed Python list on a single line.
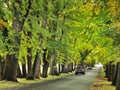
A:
[(71, 82)]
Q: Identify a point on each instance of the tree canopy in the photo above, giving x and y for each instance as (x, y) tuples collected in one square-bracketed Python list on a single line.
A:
[(68, 30)]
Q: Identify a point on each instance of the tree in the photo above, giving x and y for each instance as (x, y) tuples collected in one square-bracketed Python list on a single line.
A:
[(18, 21)]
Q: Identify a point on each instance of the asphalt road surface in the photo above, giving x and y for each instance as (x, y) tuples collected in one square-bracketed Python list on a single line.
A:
[(71, 82)]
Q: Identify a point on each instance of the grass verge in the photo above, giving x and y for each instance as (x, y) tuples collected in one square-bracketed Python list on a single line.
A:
[(101, 82), (23, 81)]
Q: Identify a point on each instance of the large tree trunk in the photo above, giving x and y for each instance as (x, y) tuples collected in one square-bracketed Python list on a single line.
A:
[(2, 64), (36, 65), (24, 72), (38, 74), (118, 78), (45, 65), (0, 68), (112, 71), (11, 61), (11, 66), (29, 61), (109, 72), (114, 75), (106, 71), (18, 21)]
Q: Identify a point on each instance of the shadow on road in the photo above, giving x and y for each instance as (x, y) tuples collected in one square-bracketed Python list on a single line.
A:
[(69, 82)]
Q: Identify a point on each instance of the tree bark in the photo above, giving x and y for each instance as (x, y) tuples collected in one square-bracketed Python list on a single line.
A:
[(24, 70), (29, 61), (118, 78), (112, 71), (36, 65), (38, 74), (109, 72), (11, 66), (45, 65), (114, 75), (106, 71), (0, 68), (11, 63)]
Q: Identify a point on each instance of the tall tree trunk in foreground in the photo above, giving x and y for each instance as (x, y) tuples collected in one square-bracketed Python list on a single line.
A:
[(29, 61), (38, 74), (11, 63), (109, 72), (11, 66), (0, 68), (118, 78), (114, 75), (24, 72), (36, 65)]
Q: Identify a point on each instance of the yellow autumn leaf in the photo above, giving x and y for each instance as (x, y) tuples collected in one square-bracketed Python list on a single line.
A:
[(89, 6), (1, 24), (97, 11)]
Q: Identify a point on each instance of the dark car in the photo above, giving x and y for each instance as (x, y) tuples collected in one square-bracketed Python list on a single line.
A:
[(80, 70)]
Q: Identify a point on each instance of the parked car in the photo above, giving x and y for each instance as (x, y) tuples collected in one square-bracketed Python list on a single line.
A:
[(98, 65), (80, 70), (89, 68)]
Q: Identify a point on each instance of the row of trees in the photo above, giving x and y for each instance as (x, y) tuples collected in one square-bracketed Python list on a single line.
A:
[(51, 32), (112, 66), (113, 74), (34, 32)]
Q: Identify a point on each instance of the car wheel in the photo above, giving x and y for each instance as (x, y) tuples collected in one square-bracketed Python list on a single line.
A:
[(83, 73), (76, 73)]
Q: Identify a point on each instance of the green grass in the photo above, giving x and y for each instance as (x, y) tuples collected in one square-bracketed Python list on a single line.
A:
[(101, 83), (23, 81), (6, 84), (102, 73)]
